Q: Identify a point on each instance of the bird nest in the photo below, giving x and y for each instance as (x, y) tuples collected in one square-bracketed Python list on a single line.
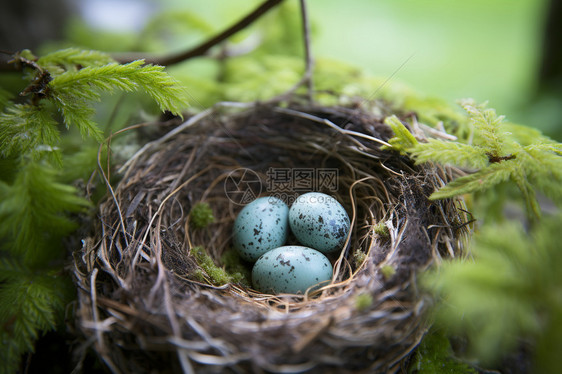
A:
[(147, 304)]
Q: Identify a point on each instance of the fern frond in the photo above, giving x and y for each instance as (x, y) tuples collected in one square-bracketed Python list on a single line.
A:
[(5, 98), (31, 211), (77, 111), (28, 304), (479, 181), (534, 162), (133, 76), (525, 135), (454, 153), (522, 180), (26, 128), (403, 140), (72, 59), (542, 165), (11, 269), (487, 125), (510, 291)]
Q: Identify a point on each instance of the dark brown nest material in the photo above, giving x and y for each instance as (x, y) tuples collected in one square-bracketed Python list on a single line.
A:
[(143, 309)]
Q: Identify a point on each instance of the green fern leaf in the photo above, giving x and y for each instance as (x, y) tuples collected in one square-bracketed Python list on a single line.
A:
[(28, 304), (525, 135), (534, 162), (31, 211), (512, 290), (5, 98), (479, 181), (28, 129), (128, 77), (521, 179), (11, 269), (454, 153), (72, 59), (542, 165), (487, 125), (77, 111), (72, 91)]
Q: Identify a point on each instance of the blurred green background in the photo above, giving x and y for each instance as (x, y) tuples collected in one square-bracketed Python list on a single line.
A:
[(490, 50)]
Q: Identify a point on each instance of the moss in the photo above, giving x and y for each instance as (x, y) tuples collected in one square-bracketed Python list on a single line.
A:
[(201, 215), (217, 275), (359, 257), (236, 268), (388, 271), (381, 230), (233, 270), (363, 301), (434, 355)]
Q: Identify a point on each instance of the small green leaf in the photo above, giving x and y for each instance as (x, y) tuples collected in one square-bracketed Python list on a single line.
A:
[(403, 140)]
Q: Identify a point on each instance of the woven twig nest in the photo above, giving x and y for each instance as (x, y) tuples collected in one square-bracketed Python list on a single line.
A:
[(147, 306)]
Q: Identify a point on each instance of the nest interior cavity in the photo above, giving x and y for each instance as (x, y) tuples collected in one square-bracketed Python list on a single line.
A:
[(148, 304)]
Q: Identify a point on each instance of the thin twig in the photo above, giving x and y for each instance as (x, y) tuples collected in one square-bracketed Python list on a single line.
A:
[(309, 62), (204, 47)]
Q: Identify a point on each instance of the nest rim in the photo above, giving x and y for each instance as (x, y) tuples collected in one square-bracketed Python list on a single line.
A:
[(105, 252)]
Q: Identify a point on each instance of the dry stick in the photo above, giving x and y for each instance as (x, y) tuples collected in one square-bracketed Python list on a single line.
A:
[(202, 48)]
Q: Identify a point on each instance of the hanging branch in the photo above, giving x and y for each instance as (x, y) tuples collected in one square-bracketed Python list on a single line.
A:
[(204, 47), (200, 50)]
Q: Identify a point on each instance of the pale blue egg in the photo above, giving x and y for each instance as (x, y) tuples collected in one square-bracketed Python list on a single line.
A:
[(291, 269), (260, 226), (319, 221)]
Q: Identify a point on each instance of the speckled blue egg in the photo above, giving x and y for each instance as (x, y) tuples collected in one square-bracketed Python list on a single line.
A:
[(291, 269), (319, 221), (260, 226)]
